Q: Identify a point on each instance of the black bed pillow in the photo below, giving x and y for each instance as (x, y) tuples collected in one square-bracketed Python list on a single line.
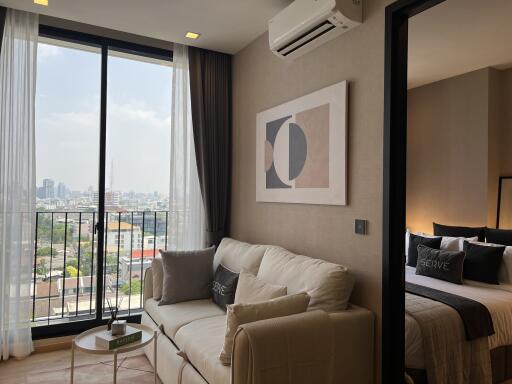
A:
[(414, 241), (440, 264), (224, 286), (454, 231), (482, 262), (499, 236)]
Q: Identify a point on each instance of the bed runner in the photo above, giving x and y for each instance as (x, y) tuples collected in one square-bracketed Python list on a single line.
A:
[(475, 316)]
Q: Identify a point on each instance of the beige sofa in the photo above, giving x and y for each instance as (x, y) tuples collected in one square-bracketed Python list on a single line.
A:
[(193, 332)]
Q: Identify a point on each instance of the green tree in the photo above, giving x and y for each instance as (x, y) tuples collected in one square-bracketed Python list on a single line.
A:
[(136, 288), (111, 262), (46, 251), (71, 271), (41, 268), (44, 229)]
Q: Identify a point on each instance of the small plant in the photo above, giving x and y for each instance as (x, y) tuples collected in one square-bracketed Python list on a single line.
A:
[(113, 312)]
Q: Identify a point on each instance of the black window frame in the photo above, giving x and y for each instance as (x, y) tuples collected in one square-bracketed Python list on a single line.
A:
[(106, 44)]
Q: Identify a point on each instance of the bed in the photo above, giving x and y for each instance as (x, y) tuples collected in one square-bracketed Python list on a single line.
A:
[(496, 298)]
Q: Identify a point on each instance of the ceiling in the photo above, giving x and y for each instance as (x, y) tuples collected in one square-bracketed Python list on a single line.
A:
[(225, 25), (459, 36)]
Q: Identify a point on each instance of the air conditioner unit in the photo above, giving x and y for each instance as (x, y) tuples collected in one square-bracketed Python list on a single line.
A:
[(306, 24)]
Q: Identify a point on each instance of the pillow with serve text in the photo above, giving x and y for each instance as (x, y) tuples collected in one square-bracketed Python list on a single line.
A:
[(440, 264), (224, 286)]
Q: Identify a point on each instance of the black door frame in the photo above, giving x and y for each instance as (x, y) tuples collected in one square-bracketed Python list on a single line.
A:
[(395, 163), (105, 44)]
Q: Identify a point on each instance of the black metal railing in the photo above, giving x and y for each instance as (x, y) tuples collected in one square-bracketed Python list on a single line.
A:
[(65, 263)]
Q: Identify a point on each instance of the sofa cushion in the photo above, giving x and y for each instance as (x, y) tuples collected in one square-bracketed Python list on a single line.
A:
[(187, 275), (238, 314), (235, 255), (202, 341), (175, 316), (158, 277), (250, 289), (329, 285), (224, 286)]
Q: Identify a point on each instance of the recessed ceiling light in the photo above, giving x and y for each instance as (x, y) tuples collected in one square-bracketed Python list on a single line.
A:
[(41, 2), (192, 35)]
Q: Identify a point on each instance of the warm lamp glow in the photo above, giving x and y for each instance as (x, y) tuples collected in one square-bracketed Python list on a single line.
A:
[(41, 2)]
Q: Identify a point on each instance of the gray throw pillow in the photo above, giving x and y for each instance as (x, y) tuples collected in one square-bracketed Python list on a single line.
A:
[(188, 275), (440, 264)]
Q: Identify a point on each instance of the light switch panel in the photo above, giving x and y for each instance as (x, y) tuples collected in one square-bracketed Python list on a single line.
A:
[(361, 227)]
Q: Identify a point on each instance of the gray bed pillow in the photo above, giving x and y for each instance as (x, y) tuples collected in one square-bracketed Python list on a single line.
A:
[(188, 275), (440, 264)]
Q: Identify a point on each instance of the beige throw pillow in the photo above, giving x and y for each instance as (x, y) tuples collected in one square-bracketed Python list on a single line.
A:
[(250, 289), (238, 314), (157, 270)]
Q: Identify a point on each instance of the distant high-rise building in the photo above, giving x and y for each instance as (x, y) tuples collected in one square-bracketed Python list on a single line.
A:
[(40, 192), (61, 191), (49, 188), (112, 198)]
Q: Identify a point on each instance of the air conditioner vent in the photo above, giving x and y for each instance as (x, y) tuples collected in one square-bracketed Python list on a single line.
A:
[(306, 38), (306, 24)]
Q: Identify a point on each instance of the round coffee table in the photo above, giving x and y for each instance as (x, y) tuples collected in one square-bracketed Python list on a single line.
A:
[(86, 342)]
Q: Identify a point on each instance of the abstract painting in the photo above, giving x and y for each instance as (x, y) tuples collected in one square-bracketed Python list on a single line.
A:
[(301, 149)]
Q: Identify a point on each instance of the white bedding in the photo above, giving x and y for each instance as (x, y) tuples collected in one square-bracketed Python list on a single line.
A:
[(497, 299)]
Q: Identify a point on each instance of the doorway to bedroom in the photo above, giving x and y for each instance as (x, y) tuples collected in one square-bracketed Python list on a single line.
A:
[(448, 290)]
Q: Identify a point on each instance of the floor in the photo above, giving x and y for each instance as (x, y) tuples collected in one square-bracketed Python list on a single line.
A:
[(53, 368)]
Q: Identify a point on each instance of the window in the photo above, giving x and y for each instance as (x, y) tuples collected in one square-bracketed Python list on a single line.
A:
[(103, 138)]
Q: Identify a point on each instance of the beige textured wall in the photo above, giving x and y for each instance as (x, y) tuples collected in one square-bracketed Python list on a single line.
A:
[(459, 138), (496, 126), (447, 152), (506, 128), (260, 81)]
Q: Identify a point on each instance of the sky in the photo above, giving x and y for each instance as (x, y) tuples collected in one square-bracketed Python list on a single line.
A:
[(67, 121)]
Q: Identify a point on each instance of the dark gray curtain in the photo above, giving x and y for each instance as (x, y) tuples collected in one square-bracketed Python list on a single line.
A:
[(210, 93), (3, 11)]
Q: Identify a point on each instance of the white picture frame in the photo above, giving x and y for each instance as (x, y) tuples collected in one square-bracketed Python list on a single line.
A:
[(301, 149)]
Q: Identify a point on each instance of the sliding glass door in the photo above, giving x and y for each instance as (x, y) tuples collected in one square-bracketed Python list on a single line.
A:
[(67, 163), (103, 140), (137, 174)]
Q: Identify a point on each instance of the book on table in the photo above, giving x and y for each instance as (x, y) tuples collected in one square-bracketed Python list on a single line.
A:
[(105, 339)]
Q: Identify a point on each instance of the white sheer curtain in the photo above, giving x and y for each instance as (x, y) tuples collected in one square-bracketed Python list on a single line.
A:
[(17, 180), (186, 212)]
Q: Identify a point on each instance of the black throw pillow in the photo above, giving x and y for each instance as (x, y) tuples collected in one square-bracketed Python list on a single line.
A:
[(454, 231), (440, 264), (499, 236), (414, 241), (224, 286), (482, 262)]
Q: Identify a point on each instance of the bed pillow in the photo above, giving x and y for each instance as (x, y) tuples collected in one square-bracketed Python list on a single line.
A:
[(414, 241), (505, 272), (440, 264), (455, 231), (482, 262), (188, 275), (224, 286), (499, 236), (447, 243)]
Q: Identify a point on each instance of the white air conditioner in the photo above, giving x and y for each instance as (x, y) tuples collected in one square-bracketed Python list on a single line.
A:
[(306, 24)]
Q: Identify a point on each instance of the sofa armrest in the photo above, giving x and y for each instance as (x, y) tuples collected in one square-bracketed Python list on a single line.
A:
[(295, 349), (354, 335), (349, 341), (148, 284)]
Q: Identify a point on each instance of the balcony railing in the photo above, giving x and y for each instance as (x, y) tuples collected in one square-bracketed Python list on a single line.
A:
[(65, 264)]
